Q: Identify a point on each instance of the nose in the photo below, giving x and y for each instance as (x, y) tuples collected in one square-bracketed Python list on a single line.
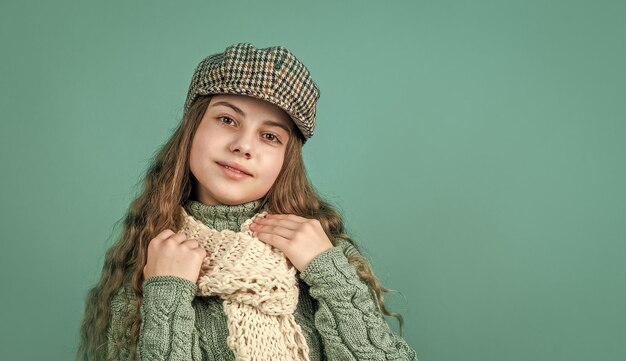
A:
[(243, 144)]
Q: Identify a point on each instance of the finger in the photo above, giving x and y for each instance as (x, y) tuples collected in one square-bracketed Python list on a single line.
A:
[(179, 237), (284, 222), (286, 233), (291, 217), (191, 243), (165, 234), (274, 240), (201, 251)]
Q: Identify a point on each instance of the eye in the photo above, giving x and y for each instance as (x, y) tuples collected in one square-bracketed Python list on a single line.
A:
[(272, 138), (227, 120)]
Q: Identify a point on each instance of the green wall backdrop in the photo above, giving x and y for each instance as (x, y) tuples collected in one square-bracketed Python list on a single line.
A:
[(476, 149)]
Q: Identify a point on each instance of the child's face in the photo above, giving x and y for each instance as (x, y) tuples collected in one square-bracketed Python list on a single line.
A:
[(255, 140)]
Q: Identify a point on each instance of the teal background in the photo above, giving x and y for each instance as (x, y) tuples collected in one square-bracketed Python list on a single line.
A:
[(476, 150)]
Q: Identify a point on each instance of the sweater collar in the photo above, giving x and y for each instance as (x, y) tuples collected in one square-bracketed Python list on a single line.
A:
[(223, 216)]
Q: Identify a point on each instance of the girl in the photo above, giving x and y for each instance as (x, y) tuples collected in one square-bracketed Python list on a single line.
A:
[(229, 253)]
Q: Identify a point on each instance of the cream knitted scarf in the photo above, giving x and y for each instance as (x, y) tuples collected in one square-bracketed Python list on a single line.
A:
[(259, 289)]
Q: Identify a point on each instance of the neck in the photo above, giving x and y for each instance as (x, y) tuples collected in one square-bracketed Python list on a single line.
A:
[(223, 216)]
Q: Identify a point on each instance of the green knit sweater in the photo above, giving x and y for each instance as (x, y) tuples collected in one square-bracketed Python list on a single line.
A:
[(335, 311)]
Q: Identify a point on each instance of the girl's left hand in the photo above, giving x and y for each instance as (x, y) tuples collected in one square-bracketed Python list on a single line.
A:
[(300, 239)]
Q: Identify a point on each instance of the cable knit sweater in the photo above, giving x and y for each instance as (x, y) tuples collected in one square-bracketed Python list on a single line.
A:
[(335, 310)]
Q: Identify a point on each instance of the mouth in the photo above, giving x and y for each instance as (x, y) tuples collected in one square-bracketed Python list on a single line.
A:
[(235, 168)]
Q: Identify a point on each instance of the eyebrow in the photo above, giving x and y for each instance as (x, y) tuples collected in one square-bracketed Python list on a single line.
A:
[(242, 113)]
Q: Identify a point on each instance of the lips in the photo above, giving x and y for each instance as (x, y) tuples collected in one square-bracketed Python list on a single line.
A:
[(235, 166)]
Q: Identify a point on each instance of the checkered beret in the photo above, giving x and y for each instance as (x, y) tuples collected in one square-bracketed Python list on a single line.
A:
[(273, 74)]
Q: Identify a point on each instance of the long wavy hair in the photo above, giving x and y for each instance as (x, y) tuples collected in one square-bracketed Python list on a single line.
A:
[(168, 184)]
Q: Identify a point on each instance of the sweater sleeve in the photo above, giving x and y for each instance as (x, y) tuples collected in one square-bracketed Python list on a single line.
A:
[(347, 318), (167, 326)]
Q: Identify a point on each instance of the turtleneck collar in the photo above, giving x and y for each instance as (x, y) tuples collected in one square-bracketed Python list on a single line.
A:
[(223, 216)]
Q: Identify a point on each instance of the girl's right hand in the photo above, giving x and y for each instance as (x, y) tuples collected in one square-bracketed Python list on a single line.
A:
[(172, 254)]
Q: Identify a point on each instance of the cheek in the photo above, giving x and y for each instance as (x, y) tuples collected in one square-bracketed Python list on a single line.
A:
[(194, 154), (199, 154), (274, 166)]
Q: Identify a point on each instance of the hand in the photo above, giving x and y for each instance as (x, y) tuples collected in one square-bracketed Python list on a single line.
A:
[(172, 254), (300, 239)]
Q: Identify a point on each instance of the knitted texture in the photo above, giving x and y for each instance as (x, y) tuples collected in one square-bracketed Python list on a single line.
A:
[(259, 289), (336, 312)]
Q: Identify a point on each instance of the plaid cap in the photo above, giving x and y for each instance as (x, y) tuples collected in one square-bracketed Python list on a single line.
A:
[(273, 74)]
